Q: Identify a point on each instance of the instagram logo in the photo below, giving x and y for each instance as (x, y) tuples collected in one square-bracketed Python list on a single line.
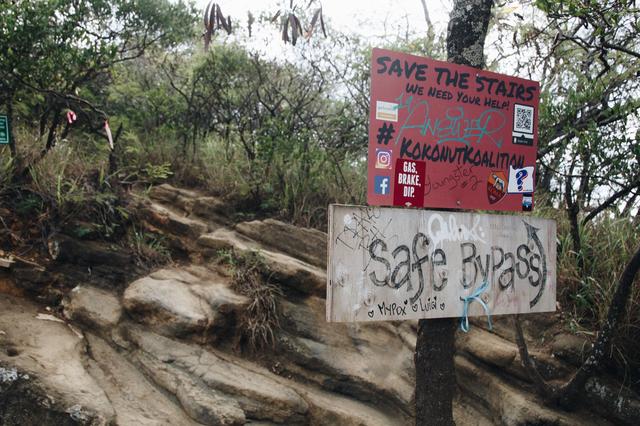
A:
[(383, 158)]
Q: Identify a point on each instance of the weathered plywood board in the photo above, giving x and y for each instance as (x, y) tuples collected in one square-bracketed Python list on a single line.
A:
[(395, 264)]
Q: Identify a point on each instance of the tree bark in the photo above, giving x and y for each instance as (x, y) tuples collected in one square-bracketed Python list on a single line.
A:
[(468, 23), (427, 18), (567, 395), (435, 345), (51, 137), (435, 371), (610, 201), (572, 211)]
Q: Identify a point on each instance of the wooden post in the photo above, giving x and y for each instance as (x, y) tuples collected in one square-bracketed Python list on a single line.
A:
[(435, 345)]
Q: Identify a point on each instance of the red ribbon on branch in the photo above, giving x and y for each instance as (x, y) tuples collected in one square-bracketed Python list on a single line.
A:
[(71, 117)]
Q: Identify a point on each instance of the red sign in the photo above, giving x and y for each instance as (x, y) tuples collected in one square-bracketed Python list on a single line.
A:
[(450, 136), (409, 183)]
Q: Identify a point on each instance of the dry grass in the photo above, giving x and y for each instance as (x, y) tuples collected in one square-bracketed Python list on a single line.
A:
[(260, 319), (585, 295)]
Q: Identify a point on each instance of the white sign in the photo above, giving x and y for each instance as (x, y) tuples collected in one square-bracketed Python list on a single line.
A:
[(396, 264)]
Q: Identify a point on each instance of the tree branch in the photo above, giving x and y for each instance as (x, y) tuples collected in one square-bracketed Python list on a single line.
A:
[(427, 18), (617, 309), (609, 201), (541, 385), (566, 394)]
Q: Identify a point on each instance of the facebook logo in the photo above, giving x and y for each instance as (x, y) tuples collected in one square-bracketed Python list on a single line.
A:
[(381, 184)]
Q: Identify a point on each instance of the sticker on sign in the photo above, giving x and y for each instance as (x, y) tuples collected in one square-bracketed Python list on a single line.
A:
[(396, 264), (409, 183), (520, 180), (386, 111)]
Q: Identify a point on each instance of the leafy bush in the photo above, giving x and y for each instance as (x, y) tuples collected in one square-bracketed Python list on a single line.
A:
[(262, 132), (68, 185)]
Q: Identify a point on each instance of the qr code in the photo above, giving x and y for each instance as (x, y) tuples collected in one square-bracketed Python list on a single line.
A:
[(523, 118)]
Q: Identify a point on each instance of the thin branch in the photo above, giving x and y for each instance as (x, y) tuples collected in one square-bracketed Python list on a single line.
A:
[(566, 394), (541, 385), (617, 309), (66, 97), (427, 18), (609, 201)]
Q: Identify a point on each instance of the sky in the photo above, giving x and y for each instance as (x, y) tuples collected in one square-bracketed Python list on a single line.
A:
[(372, 20), (366, 18)]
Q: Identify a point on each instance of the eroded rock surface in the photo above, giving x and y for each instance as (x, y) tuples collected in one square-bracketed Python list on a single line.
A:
[(162, 348), (93, 307), (52, 355), (295, 274), (258, 395), (309, 245), (178, 303)]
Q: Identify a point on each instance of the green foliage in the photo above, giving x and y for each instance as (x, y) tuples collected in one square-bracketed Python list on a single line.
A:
[(261, 132), (159, 172), (59, 181), (55, 53), (286, 138), (585, 54), (69, 185), (29, 205), (584, 294), (6, 171), (151, 250)]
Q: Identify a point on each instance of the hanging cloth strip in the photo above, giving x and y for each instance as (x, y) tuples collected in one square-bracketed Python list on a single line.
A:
[(108, 131), (464, 319), (71, 117)]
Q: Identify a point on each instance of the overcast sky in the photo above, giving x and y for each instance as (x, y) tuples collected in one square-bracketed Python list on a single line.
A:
[(367, 18), (376, 21)]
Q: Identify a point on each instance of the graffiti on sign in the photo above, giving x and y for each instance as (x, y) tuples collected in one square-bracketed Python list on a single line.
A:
[(393, 264), (463, 124)]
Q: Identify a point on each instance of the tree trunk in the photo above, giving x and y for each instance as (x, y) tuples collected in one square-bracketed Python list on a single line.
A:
[(616, 312), (572, 211), (51, 137), (435, 369), (567, 395), (468, 23)]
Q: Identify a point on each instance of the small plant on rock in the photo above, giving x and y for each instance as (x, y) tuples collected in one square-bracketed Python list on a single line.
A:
[(150, 249), (260, 319)]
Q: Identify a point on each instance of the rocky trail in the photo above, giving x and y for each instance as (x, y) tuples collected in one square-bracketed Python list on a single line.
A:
[(133, 348)]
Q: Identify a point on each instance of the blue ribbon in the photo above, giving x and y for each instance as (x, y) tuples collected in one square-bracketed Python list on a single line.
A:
[(464, 319)]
